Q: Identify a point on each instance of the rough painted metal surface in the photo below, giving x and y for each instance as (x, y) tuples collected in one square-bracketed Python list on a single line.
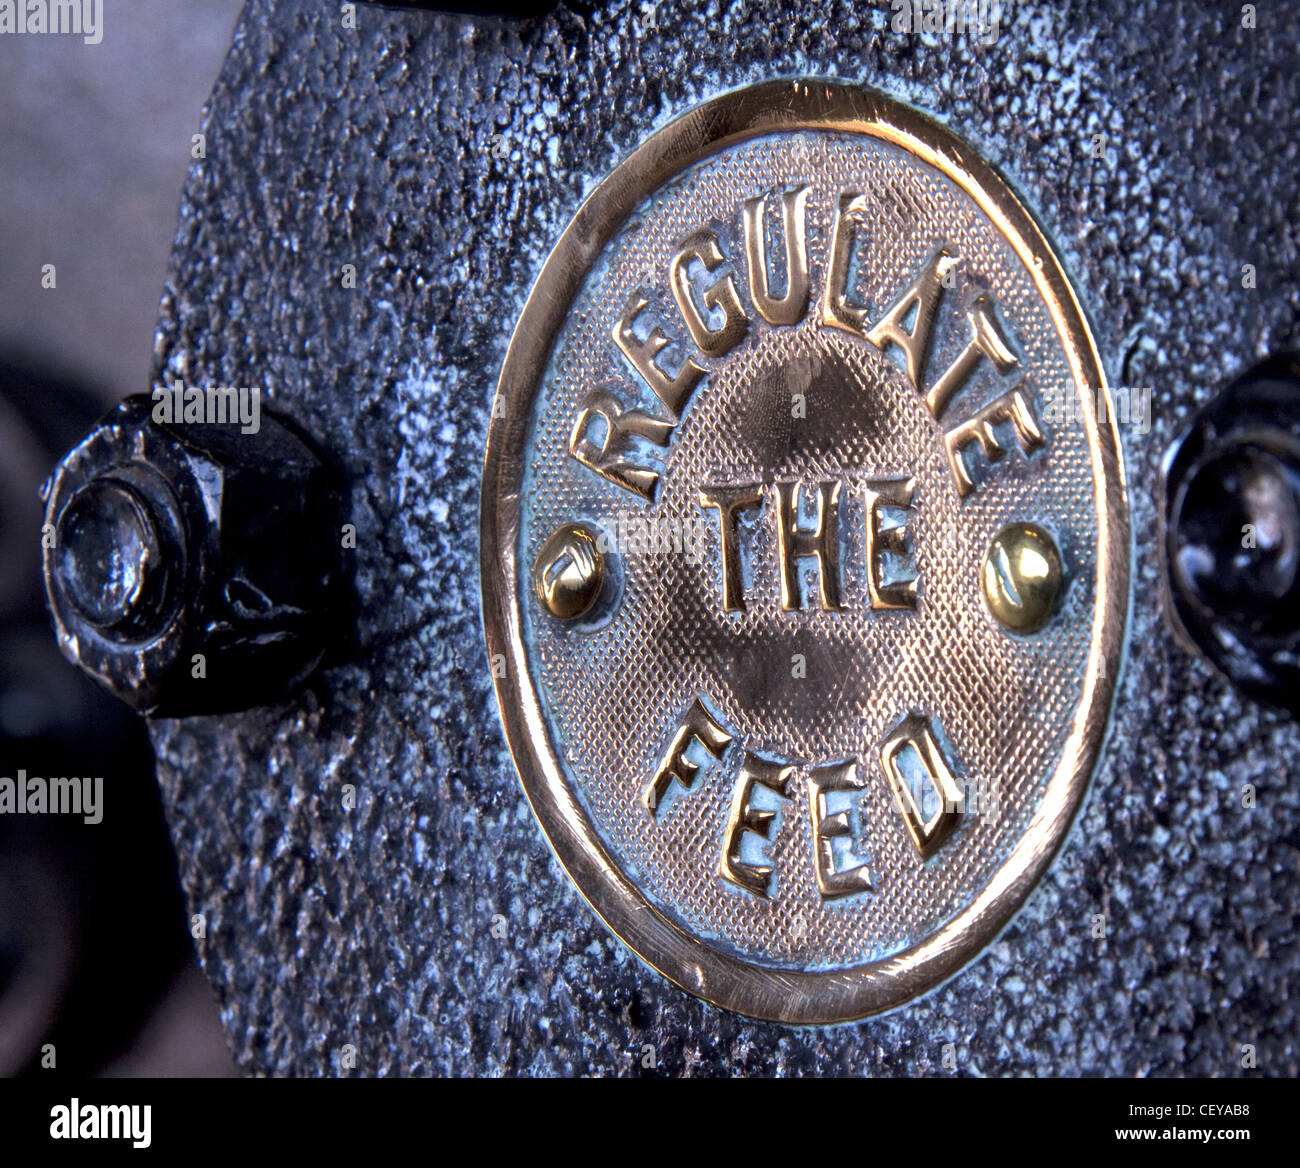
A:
[(442, 156)]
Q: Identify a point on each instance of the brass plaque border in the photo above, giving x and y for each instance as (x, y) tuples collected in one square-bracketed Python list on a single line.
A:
[(791, 996)]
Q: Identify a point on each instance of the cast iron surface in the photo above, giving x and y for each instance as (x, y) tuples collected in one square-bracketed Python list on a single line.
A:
[(373, 927)]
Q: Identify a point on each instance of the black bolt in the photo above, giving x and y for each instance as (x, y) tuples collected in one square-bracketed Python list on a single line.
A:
[(1232, 532), (108, 553), (193, 568)]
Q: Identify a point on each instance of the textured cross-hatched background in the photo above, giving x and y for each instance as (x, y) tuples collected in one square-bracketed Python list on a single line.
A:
[(373, 927)]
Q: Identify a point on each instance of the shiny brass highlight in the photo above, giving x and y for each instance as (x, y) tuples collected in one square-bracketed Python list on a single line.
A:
[(1021, 577), (569, 573)]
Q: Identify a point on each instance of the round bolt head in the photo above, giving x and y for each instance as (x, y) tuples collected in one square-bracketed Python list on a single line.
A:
[(192, 568), (569, 573), (1231, 508), (1021, 577), (1237, 536), (107, 545)]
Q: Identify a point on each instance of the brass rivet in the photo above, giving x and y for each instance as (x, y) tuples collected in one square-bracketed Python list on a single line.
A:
[(569, 573), (1021, 577)]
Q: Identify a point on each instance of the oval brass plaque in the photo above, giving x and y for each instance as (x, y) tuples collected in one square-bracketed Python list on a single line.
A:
[(804, 552)]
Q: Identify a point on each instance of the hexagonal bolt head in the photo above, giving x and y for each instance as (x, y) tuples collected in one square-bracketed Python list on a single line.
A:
[(1231, 509), (193, 568)]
